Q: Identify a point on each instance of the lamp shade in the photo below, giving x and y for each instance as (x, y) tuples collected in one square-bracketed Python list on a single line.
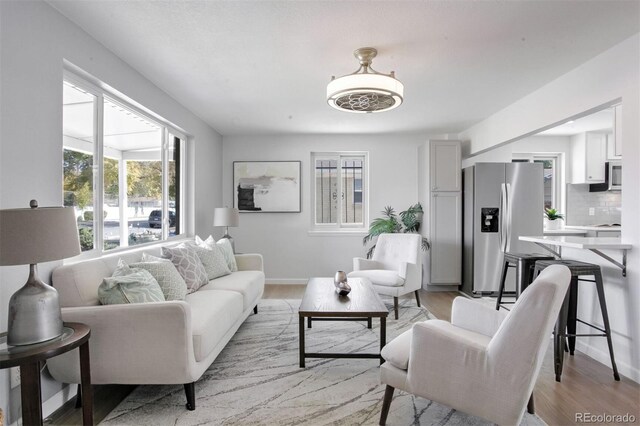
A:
[(226, 216), (34, 235)]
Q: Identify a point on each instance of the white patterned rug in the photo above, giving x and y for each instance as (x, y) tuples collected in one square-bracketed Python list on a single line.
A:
[(256, 380)]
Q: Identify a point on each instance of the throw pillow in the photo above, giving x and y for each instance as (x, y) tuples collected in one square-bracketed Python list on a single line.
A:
[(129, 285), (213, 261), (227, 251), (188, 264), (172, 284), (208, 243)]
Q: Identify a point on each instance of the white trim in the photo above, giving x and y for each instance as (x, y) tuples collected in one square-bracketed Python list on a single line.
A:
[(345, 232), (58, 400), (604, 358)]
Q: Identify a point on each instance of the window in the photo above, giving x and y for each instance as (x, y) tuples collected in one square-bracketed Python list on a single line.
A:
[(122, 170), (550, 175), (339, 190)]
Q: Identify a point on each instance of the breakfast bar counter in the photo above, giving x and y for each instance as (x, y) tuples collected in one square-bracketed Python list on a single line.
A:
[(594, 244)]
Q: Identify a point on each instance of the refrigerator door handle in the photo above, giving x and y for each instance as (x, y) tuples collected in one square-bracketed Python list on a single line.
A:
[(502, 217), (509, 219)]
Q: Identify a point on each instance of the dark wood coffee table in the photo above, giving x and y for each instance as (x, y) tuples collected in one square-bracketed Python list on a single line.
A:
[(321, 303)]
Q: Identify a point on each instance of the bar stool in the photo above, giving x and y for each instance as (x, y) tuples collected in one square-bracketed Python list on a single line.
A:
[(567, 320), (524, 263)]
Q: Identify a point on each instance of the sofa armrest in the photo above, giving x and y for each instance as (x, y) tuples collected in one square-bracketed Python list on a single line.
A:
[(250, 262), (132, 343), (476, 316), (361, 264)]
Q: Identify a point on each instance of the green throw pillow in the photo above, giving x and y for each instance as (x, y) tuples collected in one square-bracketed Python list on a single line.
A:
[(129, 285), (172, 285), (213, 261), (227, 251)]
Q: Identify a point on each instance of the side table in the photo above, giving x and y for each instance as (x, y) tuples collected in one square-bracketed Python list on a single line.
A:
[(29, 358)]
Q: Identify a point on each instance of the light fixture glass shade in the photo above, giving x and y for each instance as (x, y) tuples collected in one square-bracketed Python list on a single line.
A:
[(365, 93), (365, 90), (226, 216)]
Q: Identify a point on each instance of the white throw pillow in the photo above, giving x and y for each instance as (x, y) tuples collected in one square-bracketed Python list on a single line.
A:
[(208, 243), (213, 261)]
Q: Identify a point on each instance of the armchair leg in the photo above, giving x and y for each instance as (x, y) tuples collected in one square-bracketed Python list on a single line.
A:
[(386, 404), (531, 409), (395, 306), (418, 298), (190, 391)]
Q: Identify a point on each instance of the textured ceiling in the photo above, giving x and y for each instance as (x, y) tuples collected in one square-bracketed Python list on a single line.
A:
[(262, 67)]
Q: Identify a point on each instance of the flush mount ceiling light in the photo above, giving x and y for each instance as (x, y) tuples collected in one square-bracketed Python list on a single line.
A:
[(365, 90)]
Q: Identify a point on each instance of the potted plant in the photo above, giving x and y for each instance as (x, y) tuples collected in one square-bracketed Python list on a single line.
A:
[(552, 219), (407, 222)]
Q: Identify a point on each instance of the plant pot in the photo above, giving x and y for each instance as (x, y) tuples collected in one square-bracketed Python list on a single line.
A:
[(552, 224)]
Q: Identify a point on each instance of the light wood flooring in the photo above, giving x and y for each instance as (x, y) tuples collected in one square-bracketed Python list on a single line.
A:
[(587, 386)]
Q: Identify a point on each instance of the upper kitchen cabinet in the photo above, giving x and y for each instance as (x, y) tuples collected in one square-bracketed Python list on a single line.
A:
[(445, 166), (614, 139), (589, 152)]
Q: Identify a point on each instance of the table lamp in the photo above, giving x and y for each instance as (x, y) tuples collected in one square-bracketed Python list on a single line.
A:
[(226, 216), (30, 236)]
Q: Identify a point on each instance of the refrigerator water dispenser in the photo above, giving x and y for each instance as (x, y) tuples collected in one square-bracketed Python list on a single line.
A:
[(489, 219)]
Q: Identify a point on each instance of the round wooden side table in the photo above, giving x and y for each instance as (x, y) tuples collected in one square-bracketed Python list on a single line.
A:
[(30, 358)]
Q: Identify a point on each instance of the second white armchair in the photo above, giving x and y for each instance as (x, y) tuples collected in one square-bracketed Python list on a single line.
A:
[(395, 268)]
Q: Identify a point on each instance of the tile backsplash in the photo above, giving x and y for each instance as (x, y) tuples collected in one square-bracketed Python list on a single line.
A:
[(607, 206)]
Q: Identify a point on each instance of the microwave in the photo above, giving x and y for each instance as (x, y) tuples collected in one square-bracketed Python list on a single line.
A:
[(615, 176)]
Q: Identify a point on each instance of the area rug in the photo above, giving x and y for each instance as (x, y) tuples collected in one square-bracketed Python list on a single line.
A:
[(256, 380)]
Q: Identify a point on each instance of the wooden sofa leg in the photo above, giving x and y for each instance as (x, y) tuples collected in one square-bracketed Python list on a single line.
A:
[(531, 409), (386, 404), (395, 306), (79, 396), (418, 298), (255, 309), (190, 391)]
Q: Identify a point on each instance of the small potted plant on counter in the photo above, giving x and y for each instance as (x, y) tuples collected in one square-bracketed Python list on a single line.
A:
[(552, 219)]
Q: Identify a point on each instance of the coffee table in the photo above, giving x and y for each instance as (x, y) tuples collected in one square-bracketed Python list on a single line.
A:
[(321, 303)]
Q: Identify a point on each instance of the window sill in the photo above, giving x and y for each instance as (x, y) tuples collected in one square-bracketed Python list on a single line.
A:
[(337, 233)]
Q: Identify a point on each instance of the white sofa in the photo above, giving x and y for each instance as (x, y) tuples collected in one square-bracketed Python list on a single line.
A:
[(171, 342)]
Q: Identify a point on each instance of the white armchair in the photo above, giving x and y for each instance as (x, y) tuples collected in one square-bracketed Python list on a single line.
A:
[(484, 362), (395, 268)]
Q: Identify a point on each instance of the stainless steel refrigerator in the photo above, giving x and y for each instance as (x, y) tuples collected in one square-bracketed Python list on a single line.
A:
[(501, 201)]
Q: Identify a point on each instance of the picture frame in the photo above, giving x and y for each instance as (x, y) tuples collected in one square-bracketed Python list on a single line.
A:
[(267, 186)]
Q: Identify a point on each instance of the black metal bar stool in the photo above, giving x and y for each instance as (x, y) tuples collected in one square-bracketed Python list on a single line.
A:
[(568, 318), (524, 263)]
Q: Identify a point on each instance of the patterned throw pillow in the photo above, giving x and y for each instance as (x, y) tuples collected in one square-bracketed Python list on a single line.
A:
[(172, 285), (213, 261), (188, 264), (129, 285), (227, 251)]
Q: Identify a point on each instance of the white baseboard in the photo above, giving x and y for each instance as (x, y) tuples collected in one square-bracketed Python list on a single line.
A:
[(287, 281), (58, 400), (603, 358)]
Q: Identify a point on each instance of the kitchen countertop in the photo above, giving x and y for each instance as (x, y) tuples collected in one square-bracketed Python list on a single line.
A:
[(565, 231), (590, 243), (596, 228)]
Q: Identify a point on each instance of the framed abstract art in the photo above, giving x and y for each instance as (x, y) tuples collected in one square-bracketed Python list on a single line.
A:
[(267, 186)]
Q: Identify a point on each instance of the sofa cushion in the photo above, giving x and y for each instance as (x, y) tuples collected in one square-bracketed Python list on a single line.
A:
[(129, 285), (213, 261), (379, 277), (250, 284), (213, 313), (396, 352), (172, 285), (188, 264)]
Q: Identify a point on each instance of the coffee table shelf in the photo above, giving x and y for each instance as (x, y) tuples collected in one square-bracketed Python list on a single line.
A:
[(321, 303)]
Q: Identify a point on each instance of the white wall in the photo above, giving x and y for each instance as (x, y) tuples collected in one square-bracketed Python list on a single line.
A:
[(610, 76), (35, 39), (290, 253)]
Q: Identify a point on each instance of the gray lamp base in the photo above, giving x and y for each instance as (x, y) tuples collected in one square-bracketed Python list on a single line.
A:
[(34, 313)]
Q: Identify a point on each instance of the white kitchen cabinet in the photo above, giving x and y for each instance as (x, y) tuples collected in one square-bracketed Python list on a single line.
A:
[(445, 166), (589, 152), (446, 238)]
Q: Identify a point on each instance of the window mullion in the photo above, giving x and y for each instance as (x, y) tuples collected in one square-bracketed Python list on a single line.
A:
[(340, 191), (98, 193), (165, 184)]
